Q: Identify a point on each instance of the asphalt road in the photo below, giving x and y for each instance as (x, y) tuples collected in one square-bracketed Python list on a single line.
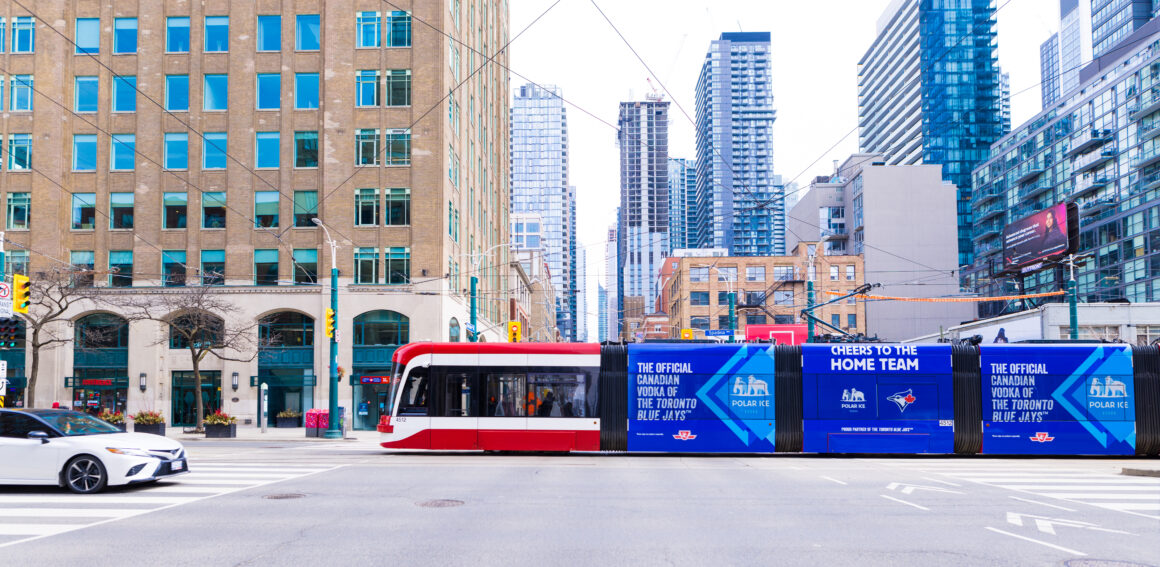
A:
[(341, 504)]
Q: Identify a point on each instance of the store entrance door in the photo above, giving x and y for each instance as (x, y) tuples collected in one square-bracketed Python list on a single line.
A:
[(185, 400)]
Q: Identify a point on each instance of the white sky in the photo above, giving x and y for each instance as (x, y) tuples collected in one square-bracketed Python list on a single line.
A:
[(816, 48)]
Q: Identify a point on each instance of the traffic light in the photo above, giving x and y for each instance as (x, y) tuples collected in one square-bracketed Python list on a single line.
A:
[(513, 331), (9, 329), (21, 293), (330, 326)]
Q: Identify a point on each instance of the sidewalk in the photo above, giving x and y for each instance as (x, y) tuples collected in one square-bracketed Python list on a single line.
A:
[(254, 433), (1142, 469)]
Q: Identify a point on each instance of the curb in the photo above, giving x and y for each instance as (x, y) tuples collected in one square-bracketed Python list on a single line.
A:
[(1141, 472)]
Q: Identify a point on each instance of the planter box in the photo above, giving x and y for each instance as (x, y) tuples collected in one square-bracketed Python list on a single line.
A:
[(221, 431), (286, 422), (153, 428), (121, 426)]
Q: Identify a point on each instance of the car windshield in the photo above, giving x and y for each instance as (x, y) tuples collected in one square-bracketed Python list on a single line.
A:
[(76, 423)]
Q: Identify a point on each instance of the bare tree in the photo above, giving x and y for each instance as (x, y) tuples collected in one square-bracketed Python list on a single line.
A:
[(200, 319), (54, 291)]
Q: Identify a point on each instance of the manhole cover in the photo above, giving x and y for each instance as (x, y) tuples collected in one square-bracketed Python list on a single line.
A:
[(289, 496), (1102, 563), (439, 503)]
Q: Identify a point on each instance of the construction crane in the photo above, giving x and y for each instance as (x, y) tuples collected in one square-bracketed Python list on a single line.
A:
[(655, 95)]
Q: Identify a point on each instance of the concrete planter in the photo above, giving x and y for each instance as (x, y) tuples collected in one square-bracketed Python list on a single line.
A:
[(221, 431), (153, 428), (286, 422)]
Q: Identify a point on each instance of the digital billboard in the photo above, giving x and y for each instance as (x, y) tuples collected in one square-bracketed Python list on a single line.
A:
[(1045, 235)]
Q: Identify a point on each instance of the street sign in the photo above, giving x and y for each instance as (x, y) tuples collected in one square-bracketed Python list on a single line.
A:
[(470, 328), (5, 291), (718, 332), (3, 369)]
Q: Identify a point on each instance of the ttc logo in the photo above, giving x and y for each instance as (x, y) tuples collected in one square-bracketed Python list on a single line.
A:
[(903, 399), (1041, 437), (684, 435)]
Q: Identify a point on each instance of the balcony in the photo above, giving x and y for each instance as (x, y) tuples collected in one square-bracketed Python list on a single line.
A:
[(987, 230), (1025, 210), (1148, 103), (1037, 188), (1028, 172), (1146, 183), (1094, 207), (1093, 160), (989, 248), (1088, 183), (990, 211), (1146, 158), (1087, 140), (1148, 131)]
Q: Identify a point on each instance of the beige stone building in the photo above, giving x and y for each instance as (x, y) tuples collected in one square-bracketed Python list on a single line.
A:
[(770, 290), (534, 298), (175, 143)]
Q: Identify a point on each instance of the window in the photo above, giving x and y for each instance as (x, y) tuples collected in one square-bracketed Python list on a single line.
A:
[(216, 94), (121, 209), (177, 35), (266, 267), (849, 273), (20, 94), (755, 319), (16, 262), (173, 268), (19, 152), (366, 147), (698, 298), (399, 29), (267, 150), (369, 29), (305, 208), (399, 87), (123, 157), (23, 34), (783, 297), (366, 266), (213, 209), (366, 207), (306, 149), (723, 322), (217, 34), (84, 211), (755, 273), (835, 320), (506, 398), (833, 273), (558, 394), (85, 95), (414, 399), (88, 36), (398, 262), (306, 36), (754, 297), (213, 267), (398, 147), (83, 260), (3, 23), (699, 274), (176, 207), (398, 206), (269, 33), (306, 91), (124, 94), (177, 150), (269, 91), (367, 88), (727, 274), (723, 298), (699, 323), (84, 152), (851, 320), (120, 268), (783, 273), (19, 204), (306, 266), (213, 150), (124, 35), (266, 209), (177, 93)]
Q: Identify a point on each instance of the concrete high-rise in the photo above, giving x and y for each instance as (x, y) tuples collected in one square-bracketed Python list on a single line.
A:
[(643, 220), (739, 205), (682, 203), (539, 184), (601, 313), (929, 92), (1075, 42), (612, 308)]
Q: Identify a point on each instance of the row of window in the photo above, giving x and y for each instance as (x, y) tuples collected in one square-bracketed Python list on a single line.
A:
[(702, 323), (23, 34), (396, 266), (700, 274), (216, 33), (369, 209), (369, 150), (778, 297)]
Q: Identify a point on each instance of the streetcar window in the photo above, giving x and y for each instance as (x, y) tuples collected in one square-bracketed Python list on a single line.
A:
[(505, 396), (559, 394), (458, 397), (414, 401)]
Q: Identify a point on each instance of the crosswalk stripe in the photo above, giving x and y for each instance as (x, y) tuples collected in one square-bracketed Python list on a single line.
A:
[(1063, 486), (183, 488), (36, 529), (205, 481), (91, 499), (1133, 505), (204, 468), (1100, 496), (68, 512)]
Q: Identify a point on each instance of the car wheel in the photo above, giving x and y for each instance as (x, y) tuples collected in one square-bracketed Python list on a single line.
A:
[(85, 475)]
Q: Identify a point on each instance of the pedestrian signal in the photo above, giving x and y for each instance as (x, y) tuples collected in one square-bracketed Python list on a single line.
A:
[(21, 293), (9, 331), (513, 331)]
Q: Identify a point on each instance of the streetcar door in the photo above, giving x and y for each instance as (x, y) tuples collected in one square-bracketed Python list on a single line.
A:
[(412, 416), (455, 413)]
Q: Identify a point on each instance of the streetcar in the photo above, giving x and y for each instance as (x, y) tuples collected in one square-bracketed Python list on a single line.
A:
[(844, 398)]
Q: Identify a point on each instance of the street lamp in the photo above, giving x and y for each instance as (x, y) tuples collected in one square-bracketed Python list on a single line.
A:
[(732, 301), (332, 430), (474, 330)]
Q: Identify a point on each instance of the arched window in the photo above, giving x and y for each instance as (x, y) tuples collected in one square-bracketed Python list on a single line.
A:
[(381, 328), (199, 327), (101, 330), (453, 330), (286, 329)]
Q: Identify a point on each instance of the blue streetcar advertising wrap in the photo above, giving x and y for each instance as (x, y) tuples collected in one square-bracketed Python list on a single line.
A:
[(877, 398), (711, 398), (1052, 400)]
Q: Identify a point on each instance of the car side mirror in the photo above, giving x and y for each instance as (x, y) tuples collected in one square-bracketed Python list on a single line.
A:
[(38, 435)]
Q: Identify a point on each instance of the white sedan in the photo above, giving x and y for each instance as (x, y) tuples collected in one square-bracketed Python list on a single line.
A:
[(80, 452)]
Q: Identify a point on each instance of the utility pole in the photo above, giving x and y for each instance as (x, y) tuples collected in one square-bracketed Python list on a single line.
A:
[(332, 430), (732, 315), (1072, 298), (474, 336)]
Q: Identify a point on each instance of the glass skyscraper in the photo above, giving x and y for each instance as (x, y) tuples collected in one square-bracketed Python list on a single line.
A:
[(929, 92), (682, 203), (539, 174), (739, 205), (1113, 20)]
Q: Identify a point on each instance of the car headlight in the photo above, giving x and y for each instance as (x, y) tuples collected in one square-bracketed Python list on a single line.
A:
[(129, 452)]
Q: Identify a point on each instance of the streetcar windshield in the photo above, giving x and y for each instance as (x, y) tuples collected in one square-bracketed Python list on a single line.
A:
[(396, 377)]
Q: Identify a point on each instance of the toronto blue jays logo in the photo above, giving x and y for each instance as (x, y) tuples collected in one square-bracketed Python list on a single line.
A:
[(903, 399)]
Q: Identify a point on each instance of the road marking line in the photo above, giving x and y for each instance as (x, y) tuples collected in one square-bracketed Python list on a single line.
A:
[(1069, 487), (41, 530), (905, 502), (67, 513), (1042, 504), (940, 481), (1101, 496), (834, 480), (241, 476), (93, 499), (1071, 480), (1032, 540), (203, 481), (278, 470)]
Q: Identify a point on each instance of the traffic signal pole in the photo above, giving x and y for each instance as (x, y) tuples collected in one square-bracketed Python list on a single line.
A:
[(332, 430)]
